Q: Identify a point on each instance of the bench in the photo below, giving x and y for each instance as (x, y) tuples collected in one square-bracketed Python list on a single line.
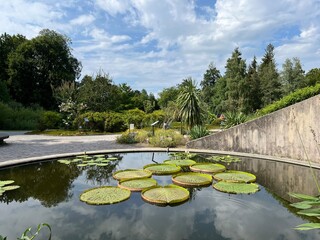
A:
[(3, 137)]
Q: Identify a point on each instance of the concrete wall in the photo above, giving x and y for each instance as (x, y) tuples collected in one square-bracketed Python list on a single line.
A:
[(284, 133)]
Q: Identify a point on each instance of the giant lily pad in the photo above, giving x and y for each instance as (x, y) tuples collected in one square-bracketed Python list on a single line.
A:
[(237, 188), (104, 195), (192, 179), (137, 184), (6, 182), (6, 186), (207, 167), (170, 194), (181, 162), (162, 169), (131, 174), (235, 176)]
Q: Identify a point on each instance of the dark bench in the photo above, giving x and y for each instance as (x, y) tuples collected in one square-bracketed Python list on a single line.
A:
[(3, 137)]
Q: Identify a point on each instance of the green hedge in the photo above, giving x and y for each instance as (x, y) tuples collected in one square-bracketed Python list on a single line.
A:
[(297, 96)]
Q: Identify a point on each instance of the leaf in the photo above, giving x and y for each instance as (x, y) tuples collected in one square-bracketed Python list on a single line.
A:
[(301, 205), (181, 162), (99, 156), (304, 197), (314, 212), (11, 187), (102, 164), (104, 195), (6, 182), (235, 176), (131, 174), (237, 188), (169, 194), (307, 226), (192, 179), (162, 169), (207, 167), (64, 161), (137, 184)]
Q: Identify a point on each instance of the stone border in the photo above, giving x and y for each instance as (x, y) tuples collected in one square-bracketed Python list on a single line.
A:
[(15, 162)]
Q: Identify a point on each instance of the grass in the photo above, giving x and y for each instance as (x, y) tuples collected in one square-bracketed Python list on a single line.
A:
[(60, 132)]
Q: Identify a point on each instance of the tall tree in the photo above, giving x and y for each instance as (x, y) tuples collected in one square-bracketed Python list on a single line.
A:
[(219, 98), (188, 101), (292, 75), (40, 65), (168, 95), (268, 74), (313, 77)]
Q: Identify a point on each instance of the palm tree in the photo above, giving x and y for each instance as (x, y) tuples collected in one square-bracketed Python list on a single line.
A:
[(189, 104)]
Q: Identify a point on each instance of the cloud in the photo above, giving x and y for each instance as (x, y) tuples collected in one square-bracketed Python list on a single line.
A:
[(83, 20)]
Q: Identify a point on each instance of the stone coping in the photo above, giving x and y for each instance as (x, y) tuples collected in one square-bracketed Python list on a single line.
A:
[(15, 162)]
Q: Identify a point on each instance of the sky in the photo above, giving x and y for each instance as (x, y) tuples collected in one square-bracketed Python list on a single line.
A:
[(155, 44)]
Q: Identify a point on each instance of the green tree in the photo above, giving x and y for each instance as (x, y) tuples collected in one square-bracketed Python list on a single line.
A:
[(292, 76), (313, 77), (190, 110), (220, 97), (168, 95), (40, 65), (269, 77)]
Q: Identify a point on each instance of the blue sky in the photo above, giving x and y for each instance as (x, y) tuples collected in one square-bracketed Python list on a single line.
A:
[(155, 44)]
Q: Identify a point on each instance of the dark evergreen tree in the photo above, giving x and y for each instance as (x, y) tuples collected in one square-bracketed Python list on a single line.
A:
[(312, 77)]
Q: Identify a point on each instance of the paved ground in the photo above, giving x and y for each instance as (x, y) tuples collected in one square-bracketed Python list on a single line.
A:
[(19, 145)]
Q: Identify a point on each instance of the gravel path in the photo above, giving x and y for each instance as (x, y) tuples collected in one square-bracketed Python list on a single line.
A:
[(19, 145)]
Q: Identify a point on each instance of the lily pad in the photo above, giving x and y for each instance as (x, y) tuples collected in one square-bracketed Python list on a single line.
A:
[(6, 182), (170, 194), (192, 179), (137, 184), (237, 188), (304, 197), (235, 176), (102, 164), (131, 174), (76, 160), (105, 161), (313, 212), (99, 156), (11, 187), (181, 162), (104, 195), (207, 167), (64, 161), (308, 226), (162, 169)]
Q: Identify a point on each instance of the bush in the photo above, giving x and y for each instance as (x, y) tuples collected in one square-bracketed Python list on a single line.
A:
[(114, 122), (127, 138), (142, 136), (198, 131), (297, 96), (233, 119), (167, 138), (49, 120), (96, 121), (157, 115), (135, 116)]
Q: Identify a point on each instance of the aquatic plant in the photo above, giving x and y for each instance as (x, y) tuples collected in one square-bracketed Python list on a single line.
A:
[(137, 184), (162, 169), (6, 186), (181, 162), (28, 235), (192, 179), (86, 160), (105, 195), (208, 167), (170, 194), (225, 159), (237, 188), (131, 174), (235, 176)]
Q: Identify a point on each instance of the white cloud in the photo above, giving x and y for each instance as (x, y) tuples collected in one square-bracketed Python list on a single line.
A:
[(82, 20), (114, 7)]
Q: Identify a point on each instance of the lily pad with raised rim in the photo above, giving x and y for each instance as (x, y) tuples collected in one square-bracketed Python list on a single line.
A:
[(6, 182), (236, 188), (131, 174), (181, 162), (162, 169), (192, 179), (170, 194), (105, 195), (235, 176), (207, 167), (10, 188), (137, 184)]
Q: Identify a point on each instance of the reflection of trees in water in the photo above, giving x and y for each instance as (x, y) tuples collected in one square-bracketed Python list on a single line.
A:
[(49, 182)]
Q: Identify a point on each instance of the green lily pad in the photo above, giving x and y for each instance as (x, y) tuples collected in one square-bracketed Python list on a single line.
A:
[(102, 164), (162, 169), (170, 194), (137, 184), (131, 174), (314, 212), (99, 156), (91, 163), (76, 160), (207, 167), (104, 195), (192, 179), (181, 162), (226, 159), (6, 182), (305, 204), (304, 197), (237, 188), (64, 161), (235, 176), (11, 187), (105, 161), (308, 226)]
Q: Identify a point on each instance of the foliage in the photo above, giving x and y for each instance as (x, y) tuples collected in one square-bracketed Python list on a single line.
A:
[(235, 176), (233, 119), (295, 97), (225, 159), (142, 136), (170, 194), (236, 188), (189, 104), (6, 186), (105, 195), (70, 110), (198, 131), (114, 122), (94, 121), (168, 95), (158, 115), (207, 167), (180, 162), (162, 169), (127, 138), (192, 179), (137, 184), (49, 120), (4, 92), (131, 174), (166, 138), (313, 77), (135, 116), (28, 235)]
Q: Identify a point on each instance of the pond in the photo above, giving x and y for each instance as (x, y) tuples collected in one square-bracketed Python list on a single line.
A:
[(49, 193)]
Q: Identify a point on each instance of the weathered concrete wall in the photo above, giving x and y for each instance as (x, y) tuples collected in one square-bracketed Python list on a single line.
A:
[(292, 132)]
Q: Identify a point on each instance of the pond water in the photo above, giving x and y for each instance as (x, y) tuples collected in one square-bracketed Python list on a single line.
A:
[(50, 192)]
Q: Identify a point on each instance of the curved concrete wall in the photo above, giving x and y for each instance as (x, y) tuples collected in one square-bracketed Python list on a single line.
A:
[(292, 132)]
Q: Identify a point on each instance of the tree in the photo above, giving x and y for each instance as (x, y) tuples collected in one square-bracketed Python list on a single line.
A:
[(168, 95), (313, 77), (188, 101), (270, 84), (39, 65), (292, 76), (220, 97)]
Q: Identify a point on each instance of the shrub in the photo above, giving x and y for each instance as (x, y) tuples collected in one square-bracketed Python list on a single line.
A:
[(49, 120), (233, 119), (157, 115), (127, 138), (114, 122), (198, 131), (167, 138), (95, 121), (142, 136), (135, 116)]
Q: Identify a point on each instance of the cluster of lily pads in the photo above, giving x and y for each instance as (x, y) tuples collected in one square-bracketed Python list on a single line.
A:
[(6, 186), (198, 175), (87, 160)]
